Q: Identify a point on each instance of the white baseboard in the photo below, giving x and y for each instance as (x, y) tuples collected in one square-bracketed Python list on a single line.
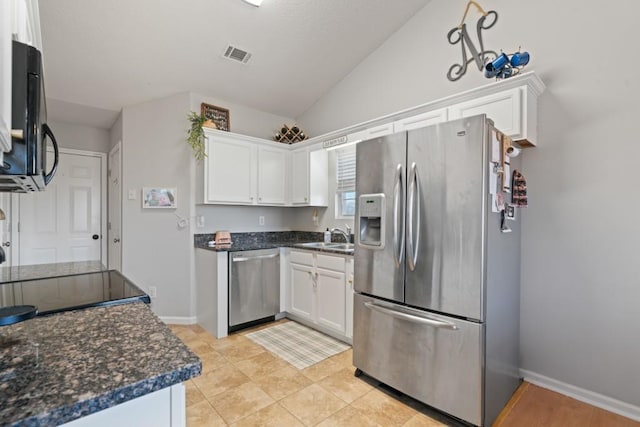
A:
[(596, 399), (170, 320)]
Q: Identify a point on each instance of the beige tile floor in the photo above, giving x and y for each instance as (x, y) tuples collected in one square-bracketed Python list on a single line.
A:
[(242, 384)]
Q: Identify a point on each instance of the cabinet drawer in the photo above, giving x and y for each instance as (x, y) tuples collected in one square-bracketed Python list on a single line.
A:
[(300, 257), (331, 262)]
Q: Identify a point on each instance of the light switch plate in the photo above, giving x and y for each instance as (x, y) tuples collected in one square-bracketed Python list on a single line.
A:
[(132, 194)]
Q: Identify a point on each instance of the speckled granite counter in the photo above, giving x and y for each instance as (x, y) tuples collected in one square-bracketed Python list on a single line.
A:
[(39, 271), (266, 240), (88, 360)]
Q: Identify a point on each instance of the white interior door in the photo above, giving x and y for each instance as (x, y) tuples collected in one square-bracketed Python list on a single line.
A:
[(115, 211), (63, 223)]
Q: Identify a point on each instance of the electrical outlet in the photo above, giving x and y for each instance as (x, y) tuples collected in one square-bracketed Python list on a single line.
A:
[(153, 291), (261, 220), (132, 194), (200, 221)]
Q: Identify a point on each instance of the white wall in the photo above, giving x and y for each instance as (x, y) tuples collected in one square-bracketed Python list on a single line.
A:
[(80, 137), (155, 251), (580, 320), (115, 133)]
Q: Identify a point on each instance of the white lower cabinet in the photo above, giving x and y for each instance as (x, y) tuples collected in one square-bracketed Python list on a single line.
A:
[(302, 290), (330, 301), (162, 408), (319, 293), (348, 299)]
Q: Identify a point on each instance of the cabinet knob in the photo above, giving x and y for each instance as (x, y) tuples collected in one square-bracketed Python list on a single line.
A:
[(259, 198), (305, 199)]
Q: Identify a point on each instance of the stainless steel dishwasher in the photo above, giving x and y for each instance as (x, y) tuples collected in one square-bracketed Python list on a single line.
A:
[(254, 287)]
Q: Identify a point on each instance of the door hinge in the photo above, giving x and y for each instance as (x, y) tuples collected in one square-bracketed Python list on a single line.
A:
[(18, 226), (108, 226), (108, 173)]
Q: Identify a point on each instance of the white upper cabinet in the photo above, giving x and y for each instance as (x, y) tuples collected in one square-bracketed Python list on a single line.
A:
[(19, 20), (272, 176), (309, 177), (421, 120), (372, 132), (300, 177), (5, 75), (230, 172), (243, 170), (26, 22), (512, 104), (504, 108)]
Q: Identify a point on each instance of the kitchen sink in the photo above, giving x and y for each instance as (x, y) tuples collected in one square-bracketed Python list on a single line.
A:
[(342, 247)]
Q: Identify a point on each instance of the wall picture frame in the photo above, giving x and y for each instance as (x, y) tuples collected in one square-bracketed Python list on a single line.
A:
[(159, 198), (218, 115)]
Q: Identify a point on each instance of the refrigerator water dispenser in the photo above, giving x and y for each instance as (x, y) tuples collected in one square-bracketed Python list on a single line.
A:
[(371, 218)]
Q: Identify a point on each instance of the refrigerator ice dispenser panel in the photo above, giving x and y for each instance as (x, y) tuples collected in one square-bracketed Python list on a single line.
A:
[(371, 219)]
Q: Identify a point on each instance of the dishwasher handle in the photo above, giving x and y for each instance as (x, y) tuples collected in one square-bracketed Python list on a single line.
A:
[(251, 258)]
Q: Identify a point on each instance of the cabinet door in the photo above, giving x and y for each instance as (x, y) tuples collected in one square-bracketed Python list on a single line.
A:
[(349, 300), (272, 176), (504, 108), (300, 177), (302, 290), (230, 172), (330, 297), (421, 120), (372, 132)]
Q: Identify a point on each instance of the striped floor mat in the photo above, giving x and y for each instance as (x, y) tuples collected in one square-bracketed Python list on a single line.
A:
[(297, 344)]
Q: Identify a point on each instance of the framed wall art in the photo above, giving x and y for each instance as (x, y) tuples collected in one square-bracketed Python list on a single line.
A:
[(159, 198), (218, 115)]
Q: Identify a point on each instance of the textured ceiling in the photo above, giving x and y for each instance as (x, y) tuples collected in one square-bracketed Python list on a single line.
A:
[(112, 53)]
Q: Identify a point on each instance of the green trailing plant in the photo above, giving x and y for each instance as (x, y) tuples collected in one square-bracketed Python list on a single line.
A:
[(195, 135)]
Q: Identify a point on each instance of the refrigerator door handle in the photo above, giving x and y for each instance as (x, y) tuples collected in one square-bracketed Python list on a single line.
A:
[(398, 217), (411, 318), (413, 242)]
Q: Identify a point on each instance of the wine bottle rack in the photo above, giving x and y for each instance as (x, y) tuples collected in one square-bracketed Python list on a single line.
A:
[(289, 135)]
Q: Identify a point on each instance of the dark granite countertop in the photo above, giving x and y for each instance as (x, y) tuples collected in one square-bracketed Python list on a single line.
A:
[(62, 367), (267, 240), (41, 271)]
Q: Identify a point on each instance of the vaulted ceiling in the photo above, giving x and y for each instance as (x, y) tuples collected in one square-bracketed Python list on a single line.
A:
[(110, 53)]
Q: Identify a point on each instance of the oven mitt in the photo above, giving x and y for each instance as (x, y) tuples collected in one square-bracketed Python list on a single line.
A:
[(518, 190)]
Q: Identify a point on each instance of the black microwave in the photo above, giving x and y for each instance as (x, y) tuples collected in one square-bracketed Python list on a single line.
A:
[(24, 167)]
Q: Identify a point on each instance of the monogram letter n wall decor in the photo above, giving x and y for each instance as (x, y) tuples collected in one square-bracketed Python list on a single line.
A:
[(460, 35)]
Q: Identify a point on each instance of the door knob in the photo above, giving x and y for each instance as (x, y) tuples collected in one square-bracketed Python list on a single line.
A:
[(116, 240), (95, 237), (6, 244)]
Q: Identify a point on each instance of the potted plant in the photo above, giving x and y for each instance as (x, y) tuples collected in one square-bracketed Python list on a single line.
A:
[(195, 135)]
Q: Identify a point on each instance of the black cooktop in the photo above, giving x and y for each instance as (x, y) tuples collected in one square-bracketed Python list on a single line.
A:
[(56, 294)]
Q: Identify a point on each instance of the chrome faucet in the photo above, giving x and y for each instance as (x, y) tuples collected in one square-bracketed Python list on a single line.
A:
[(345, 234)]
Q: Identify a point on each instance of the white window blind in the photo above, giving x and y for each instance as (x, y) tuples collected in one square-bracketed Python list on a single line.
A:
[(346, 169), (346, 182)]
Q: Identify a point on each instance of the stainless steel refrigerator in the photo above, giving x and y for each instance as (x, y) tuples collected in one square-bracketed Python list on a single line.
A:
[(436, 310)]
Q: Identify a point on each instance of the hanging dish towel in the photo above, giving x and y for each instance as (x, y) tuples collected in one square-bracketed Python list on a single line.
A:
[(518, 190)]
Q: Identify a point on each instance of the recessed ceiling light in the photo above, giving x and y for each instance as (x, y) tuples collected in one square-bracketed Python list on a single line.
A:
[(255, 3)]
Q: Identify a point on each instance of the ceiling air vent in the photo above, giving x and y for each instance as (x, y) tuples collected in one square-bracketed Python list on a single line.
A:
[(237, 54)]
